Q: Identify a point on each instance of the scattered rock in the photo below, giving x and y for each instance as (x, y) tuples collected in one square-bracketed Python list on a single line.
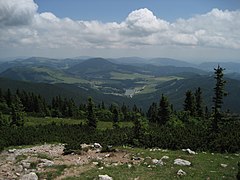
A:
[(136, 158), (107, 155), (101, 168), (30, 176), (95, 163), (165, 157), (189, 151), (17, 174), (129, 165), (157, 162), (26, 164), (19, 168), (97, 145), (11, 150), (181, 173), (182, 162), (104, 177), (223, 165), (45, 162)]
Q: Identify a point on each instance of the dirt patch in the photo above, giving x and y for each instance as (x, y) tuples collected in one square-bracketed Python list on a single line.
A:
[(42, 159)]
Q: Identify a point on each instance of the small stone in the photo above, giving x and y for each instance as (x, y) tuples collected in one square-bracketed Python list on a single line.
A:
[(30, 176), (97, 145), (165, 157), (223, 165), (181, 172), (182, 162), (26, 164), (100, 168), (129, 165), (95, 163), (189, 151), (11, 150), (107, 155), (104, 177)]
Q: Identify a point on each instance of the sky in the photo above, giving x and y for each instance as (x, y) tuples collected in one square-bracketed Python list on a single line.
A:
[(199, 30)]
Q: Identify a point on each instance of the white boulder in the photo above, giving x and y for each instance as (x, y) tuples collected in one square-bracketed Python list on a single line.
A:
[(11, 150), (45, 162), (181, 173), (157, 162), (104, 177), (97, 145), (30, 176), (165, 157), (189, 151), (182, 162)]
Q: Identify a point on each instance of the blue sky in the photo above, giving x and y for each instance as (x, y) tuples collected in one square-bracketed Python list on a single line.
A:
[(113, 10), (192, 30)]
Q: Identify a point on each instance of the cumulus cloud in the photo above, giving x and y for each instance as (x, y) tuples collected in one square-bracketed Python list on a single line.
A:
[(17, 12), (21, 25)]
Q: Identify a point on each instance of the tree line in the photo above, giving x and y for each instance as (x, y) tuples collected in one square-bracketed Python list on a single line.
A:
[(196, 126)]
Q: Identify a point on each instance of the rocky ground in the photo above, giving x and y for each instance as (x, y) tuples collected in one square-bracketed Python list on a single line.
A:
[(28, 163), (48, 162)]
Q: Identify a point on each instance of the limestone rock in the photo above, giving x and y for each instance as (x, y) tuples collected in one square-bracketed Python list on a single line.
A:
[(11, 150), (104, 177), (30, 176), (189, 151), (157, 162), (223, 165), (181, 173), (165, 157), (45, 162), (182, 162), (97, 145)]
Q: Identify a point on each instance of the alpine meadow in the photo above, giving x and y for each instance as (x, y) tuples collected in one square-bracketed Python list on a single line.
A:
[(119, 90)]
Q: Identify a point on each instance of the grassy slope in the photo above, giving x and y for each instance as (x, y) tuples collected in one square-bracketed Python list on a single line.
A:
[(204, 166)]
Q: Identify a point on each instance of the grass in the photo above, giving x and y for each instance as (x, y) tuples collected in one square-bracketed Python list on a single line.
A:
[(204, 166), (33, 121), (102, 125), (53, 172), (21, 157)]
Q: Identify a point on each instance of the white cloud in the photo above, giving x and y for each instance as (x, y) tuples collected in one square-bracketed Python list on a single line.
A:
[(22, 26), (17, 12)]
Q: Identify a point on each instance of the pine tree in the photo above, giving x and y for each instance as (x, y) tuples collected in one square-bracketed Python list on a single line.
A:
[(219, 93), (189, 103), (140, 125), (17, 114), (92, 121), (115, 118), (164, 111), (152, 113), (199, 102)]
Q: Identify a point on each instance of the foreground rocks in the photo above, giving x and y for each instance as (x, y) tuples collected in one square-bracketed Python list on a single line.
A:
[(182, 162), (104, 177)]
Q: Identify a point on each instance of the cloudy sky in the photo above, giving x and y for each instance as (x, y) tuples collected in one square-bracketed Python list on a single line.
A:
[(188, 30)]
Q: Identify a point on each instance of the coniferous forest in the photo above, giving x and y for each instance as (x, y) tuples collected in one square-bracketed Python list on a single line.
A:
[(196, 126)]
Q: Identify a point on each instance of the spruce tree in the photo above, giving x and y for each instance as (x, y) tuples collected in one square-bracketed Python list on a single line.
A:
[(17, 114), (115, 118), (189, 103), (219, 93), (92, 121), (164, 111), (152, 113), (199, 102)]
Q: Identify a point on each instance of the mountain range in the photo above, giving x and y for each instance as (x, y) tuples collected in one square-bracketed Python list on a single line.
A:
[(130, 80)]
